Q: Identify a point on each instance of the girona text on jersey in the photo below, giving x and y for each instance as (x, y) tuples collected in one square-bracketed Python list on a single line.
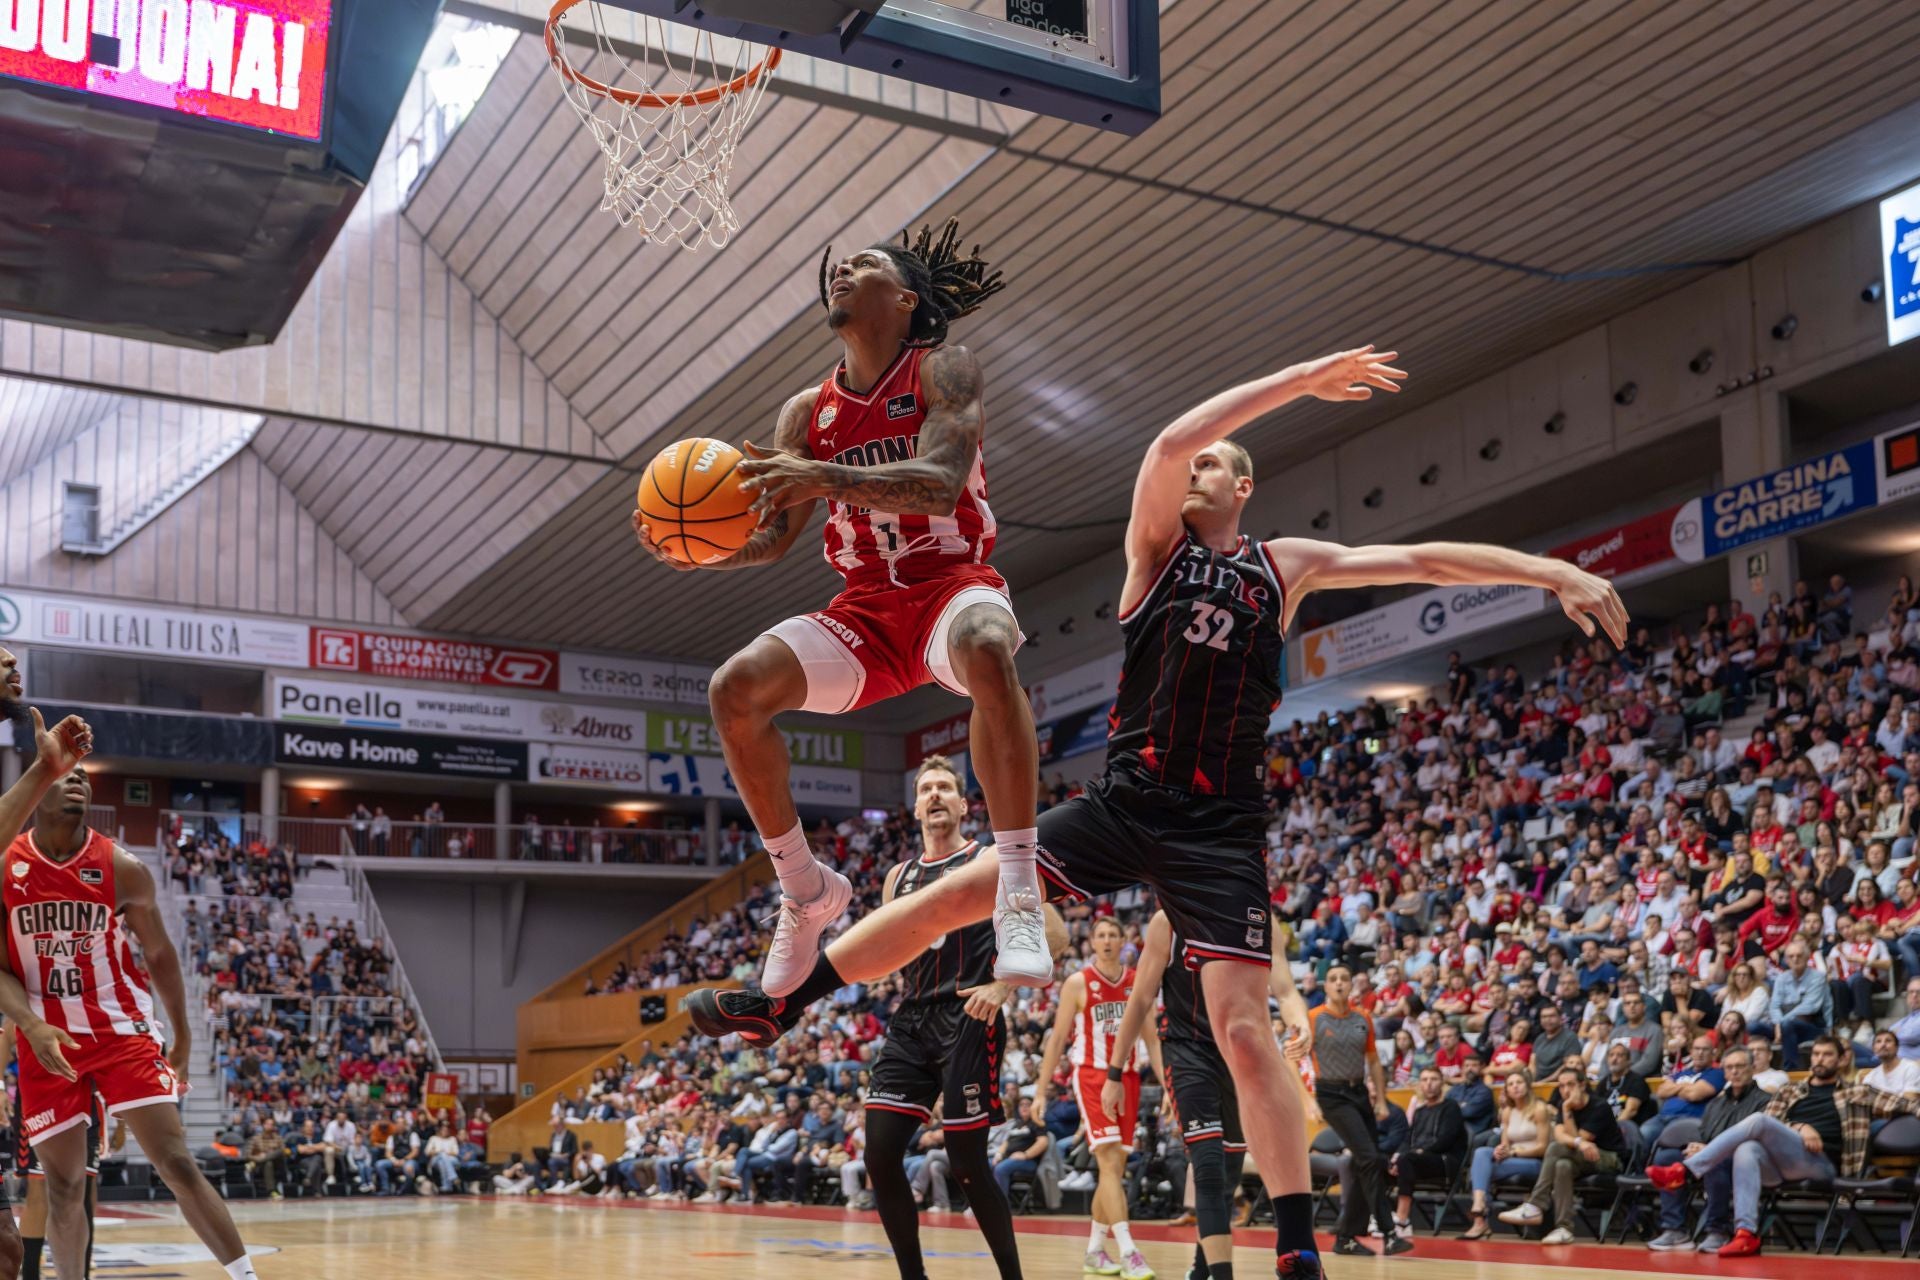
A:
[(869, 545)]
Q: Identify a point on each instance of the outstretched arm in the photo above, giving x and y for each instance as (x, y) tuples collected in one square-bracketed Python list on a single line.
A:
[(1307, 565), (1160, 489), (1149, 972), (928, 484), (1072, 995), (777, 535), (133, 891), (58, 751)]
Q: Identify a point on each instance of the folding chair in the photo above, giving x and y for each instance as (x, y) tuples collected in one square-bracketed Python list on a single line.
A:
[(1892, 1192), (1634, 1189), (1323, 1163)]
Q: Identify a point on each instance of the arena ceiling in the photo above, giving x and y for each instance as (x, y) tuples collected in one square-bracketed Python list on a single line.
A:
[(1418, 173)]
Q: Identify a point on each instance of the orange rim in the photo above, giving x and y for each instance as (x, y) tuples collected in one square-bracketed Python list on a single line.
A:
[(652, 101)]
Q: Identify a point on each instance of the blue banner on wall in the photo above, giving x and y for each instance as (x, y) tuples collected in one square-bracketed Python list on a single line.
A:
[(1808, 493)]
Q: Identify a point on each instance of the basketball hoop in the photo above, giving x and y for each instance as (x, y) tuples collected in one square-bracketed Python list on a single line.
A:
[(668, 117)]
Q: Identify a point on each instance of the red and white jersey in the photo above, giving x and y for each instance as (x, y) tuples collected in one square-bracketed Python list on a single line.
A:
[(1646, 883), (869, 546), (1099, 1022), (68, 945)]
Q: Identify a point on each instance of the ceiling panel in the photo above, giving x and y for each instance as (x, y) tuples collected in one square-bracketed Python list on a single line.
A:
[(1445, 158)]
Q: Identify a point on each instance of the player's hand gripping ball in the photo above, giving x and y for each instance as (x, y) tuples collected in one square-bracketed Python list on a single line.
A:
[(691, 509)]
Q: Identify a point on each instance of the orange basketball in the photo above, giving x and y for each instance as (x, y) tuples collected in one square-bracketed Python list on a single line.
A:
[(691, 503)]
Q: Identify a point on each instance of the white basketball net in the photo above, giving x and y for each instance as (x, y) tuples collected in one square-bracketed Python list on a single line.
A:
[(668, 117)]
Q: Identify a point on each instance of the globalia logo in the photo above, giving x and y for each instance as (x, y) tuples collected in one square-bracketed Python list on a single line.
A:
[(1433, 618)]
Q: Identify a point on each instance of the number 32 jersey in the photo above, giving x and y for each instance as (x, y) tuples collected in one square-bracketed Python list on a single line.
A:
[(68, 945), (1201, 675)]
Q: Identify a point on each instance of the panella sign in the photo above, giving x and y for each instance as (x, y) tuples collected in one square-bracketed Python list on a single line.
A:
[(258, 63)]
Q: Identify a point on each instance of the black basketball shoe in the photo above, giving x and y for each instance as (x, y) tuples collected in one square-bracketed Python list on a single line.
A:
[(1299, 1266), (754, 1016)]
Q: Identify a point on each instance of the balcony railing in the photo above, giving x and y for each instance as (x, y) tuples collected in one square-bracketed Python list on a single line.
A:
[(370, 838)]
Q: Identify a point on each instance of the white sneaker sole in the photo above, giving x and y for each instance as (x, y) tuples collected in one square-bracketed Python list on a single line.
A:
[(1019, 965), (778, 980)]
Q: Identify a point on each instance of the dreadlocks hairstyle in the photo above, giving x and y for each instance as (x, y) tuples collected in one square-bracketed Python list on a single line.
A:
[(949, 285)]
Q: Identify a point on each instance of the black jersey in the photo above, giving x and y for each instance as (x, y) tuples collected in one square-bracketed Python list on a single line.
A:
[(1183, 1005), (961, 959), (1201, 675)]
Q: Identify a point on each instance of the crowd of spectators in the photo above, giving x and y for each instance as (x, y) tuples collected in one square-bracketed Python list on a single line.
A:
[(321, 1061), (1592, 869)]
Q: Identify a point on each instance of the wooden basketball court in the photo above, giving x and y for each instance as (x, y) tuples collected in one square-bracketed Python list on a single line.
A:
[(515, 1239)]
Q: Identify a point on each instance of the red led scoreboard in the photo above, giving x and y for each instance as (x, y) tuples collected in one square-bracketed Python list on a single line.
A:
[(257, 63)]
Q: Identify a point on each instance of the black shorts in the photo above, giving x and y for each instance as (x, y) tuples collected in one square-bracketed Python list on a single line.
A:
[(1203, 1093), (937, 1051), (1205, 856)]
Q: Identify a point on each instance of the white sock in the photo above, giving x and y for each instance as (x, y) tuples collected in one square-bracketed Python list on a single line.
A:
[(1017, 850), (1098, 1239), (1123, 1237), (241, 1268), (793, 862)]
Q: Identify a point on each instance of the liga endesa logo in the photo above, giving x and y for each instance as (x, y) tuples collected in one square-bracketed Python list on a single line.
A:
[(258, 63)]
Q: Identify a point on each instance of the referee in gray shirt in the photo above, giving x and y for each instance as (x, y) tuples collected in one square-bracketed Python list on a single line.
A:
[(1344, 1059)]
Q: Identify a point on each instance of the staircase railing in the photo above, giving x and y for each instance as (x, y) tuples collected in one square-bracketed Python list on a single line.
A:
[(369, 907)]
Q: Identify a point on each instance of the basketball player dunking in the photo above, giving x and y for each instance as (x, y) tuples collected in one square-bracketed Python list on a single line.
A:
[(892, 443), (944, 1041), (1203, 616), (72, 898), (1091, 1003), (1202, 1086)]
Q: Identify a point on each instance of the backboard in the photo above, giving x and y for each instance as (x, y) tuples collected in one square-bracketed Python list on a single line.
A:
[(1096, 62)]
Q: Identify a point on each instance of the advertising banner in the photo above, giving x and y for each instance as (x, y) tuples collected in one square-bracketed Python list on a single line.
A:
[(153, 735), (695, 735), (945, 738), (1896, 455), (374, 706), (590, 675), (146, 631), (434, 658), (257, 63), (673, 774), (1421, 621), (1075, 734), (1091, 684), (1808, 493), (319, 746), (1637, 544), (1900, 251)]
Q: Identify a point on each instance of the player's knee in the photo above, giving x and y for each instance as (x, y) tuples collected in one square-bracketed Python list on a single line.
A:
[(1246, 1038), (64, 1187), (736, 693), (982, 646), (12, 1252), (176, 1166)]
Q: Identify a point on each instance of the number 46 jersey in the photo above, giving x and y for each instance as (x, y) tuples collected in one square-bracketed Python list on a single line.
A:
[(1201, 675), (68, 945)]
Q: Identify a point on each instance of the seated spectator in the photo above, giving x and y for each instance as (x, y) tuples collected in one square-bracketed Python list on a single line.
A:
[(1525, 1123), (1686, 1090), (1740, 1099), (1436, 1143), (1815, 1130), (1585, 1139)]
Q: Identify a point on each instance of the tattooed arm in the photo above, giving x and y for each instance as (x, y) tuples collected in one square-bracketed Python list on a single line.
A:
[(776, 536), (929, 484)]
